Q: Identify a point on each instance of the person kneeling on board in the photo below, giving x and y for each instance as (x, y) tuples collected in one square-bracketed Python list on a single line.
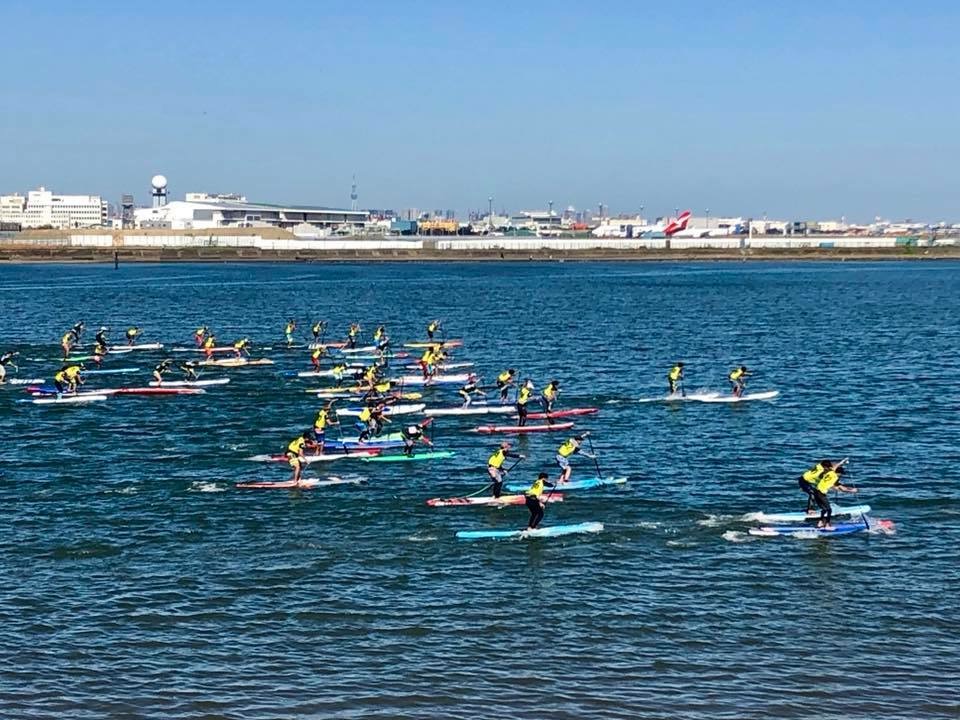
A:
[(411, 434), (160, 370), (738, 379), (808, 481), (523, 397), (295, 455), (674, 377), (567, 450), (829, 480), (535, 504), (495, 466)]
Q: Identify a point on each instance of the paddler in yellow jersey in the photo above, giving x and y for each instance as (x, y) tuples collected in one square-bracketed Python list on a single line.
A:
[(132, 334), (504, 383), (370, 377), (99, 352), (523, 397), (66, 343), (317, 355), (209, 343), (242, 347), (288, 331), (738, 379), (295, 455), (548, 396), (808, 481), (830, 480), (200, 334), (495, 466), (426, 363), (533, 498), (320, 424), (68, 379), (372, 418), (567, 450), (352, 335), (675, 377), (317, 329), (380, 337), (433, 327)]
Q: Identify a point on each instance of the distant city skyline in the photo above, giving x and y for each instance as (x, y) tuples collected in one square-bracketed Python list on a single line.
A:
[(820, 110)]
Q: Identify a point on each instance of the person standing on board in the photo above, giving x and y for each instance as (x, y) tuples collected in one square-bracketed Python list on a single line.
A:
[(352, 334), (373, 419), (6, 359), (411, 435), (380, 337), (523, 397), (495, 466), (317, 355), (242, 347), (101, 339), (470, 388), (318, 329), (288, 331), (209, 343), (504, 383), (132, 334), (534, 501), (68, 379), (829, 480), (78, 329), (200, 334), (675, 376), (738, 379), (567, 450), (66, 343), (433, 327), (189, 371), (808, 481), (426, 363), (320, 425), (161, 369), (295, 455), (548, 396)]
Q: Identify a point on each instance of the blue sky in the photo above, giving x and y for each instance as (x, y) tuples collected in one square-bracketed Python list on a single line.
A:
[(819, 110)]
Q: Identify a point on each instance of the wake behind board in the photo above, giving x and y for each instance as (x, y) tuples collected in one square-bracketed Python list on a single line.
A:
[(553, 531)]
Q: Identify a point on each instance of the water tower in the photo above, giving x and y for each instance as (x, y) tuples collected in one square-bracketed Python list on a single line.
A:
[(159, 183)]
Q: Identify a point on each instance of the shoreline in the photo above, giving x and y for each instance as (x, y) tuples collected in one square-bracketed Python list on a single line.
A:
[(60, 254)]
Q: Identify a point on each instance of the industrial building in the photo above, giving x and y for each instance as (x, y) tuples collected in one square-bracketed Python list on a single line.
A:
[(41, 208)]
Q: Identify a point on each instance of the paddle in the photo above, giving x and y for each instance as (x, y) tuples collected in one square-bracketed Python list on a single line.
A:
[(593, 452), (490, 484)]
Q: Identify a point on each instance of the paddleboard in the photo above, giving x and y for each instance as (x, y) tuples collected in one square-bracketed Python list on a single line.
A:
[(712, 397), (304, 484), (400, 409), (121, 349), (112, 371), (154, 391), (354, 351), (552, 531), (66, 400), (236, 362), (444, 366), (572, 412), (25, 381), (800, 531), (326, 457), (432, 455), (190, 383), (797, 517), (324, 373), (488, 500), (585, 484), (517, 430), (431, 343), (454, 379), (472, 409), (223, 349)]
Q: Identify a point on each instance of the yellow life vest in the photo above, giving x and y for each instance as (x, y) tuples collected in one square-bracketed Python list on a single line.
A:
[(536, 490), (296, 446), (72, 372), (675, 372), (829, 479), (321, 422), (736, 374), (496, 460), (568, 448), (549, 392), (504, 376), (365, 414), (524, 396), (814, 474)]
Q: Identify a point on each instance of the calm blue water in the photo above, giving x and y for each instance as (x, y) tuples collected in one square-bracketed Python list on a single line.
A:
[(139, 583)]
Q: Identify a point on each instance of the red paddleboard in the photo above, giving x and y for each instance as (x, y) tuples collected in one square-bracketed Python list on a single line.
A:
[(516, 429), (572, 412), (488, 500)]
